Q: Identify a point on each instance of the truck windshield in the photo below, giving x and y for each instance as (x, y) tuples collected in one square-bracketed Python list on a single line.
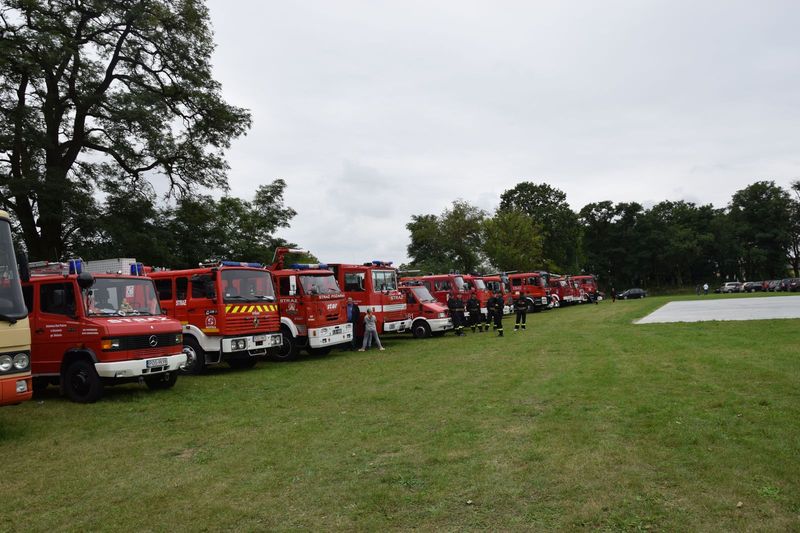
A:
[(319, 284), (458, 281), (384, 280), (12, 306), (479, 284), (423, 295), (244, 285), (122, 297)]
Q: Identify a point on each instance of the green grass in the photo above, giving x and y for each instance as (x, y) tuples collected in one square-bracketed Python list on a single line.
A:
[(585, 421)]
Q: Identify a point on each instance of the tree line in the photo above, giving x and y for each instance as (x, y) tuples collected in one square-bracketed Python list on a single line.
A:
[(671, 244)]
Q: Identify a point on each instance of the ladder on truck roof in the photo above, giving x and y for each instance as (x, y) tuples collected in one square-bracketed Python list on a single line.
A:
[(118, 266)]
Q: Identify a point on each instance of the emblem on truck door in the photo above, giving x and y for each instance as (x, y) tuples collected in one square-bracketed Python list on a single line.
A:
[(153, 341), (255, 322)]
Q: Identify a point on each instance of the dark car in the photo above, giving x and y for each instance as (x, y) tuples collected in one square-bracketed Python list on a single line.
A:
[(753, 286), (794, 285), (784, 285), (631, 294)]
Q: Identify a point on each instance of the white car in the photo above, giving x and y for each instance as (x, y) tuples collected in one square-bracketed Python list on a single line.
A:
[(732, 286)]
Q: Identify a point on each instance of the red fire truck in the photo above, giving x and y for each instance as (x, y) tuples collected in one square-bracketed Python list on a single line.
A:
[(533, 285), (313, 308), (476, 285), (502, 284), (563, 291), (227, 309), (429, 317), (374, 286), (441, 286), (588, 284), (90, 330)]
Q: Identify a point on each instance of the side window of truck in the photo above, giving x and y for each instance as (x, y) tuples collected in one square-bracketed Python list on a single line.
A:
[(516, 282), (57, 298), (354, 281), (164, 288), (443, 285), (283, 286), (181, 288)]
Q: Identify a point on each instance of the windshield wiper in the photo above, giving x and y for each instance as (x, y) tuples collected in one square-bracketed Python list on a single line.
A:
[(10, 319)]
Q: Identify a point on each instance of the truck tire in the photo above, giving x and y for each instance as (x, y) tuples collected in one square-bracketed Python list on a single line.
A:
[(195, 357), (240, 363), (420, 329), (161, 381), (289, 349), (80, 382)]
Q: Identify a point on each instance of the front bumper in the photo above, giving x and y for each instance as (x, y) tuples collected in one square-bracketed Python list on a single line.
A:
[(138, 367), (15, 388), (330, 335), (251, 343), (400, 325), (440, 324)]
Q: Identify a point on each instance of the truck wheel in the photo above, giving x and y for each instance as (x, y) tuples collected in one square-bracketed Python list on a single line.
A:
[(241, 363), (421, 330), (161, 381), (195, 358), (81, 383), (289, 349)]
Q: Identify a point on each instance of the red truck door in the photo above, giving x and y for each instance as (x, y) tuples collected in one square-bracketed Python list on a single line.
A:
[(56, 327)]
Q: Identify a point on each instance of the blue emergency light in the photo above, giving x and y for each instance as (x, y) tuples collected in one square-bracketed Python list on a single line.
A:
[(137, 269), (309, 266), (75, 266), (241, 264), (376, 262)]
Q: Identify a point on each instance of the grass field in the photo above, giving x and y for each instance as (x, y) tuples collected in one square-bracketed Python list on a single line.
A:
[(585, 421)]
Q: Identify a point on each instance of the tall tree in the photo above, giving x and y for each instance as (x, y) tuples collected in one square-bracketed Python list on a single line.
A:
[(548, 207), (119, 89), (513, 242), (761, 216), (794, 231)]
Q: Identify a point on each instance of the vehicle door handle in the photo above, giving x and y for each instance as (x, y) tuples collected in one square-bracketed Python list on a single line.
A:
[(72, 329), (40, 330)]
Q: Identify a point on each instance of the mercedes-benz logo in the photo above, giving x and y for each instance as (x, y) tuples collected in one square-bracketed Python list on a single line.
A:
[(153, 341)]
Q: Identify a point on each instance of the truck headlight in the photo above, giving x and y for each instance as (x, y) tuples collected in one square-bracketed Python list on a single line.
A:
[(21, 361), (179, 338), (442, 315), (6, 363), (323, 332), (110, 344)]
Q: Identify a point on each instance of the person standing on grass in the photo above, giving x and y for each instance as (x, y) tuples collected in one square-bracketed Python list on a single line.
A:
[(474, 310), (495, 309), (705, 289), (613, 295), (521, 308), (456, 307), (353, 313), (370, 331)]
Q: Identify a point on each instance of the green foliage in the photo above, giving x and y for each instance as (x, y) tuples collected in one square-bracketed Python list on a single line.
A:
[(513, 242), (548, 207), (117, 90), (451, 241)]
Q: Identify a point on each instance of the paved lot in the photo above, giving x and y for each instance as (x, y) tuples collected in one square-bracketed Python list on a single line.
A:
[(726, 309)]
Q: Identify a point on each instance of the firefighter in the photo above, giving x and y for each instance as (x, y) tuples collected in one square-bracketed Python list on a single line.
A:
[(495, 311), (474, 310), (456, 306), (521, 308)]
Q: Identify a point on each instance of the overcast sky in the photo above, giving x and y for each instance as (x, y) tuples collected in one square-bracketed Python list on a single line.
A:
[(373, 111)]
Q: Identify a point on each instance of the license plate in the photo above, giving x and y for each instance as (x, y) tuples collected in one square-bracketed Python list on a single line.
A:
[(337, 331), (259, 338), (152, 363)]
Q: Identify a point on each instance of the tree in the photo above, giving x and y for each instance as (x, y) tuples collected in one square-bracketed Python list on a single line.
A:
[(114, 89), (548, 208), (451, 241), (513, 242), (761, 217), (794, 232)]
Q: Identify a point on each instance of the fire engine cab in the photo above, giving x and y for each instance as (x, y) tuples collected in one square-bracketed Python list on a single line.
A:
[(227, 309), (313, 310), (95, 329), (588, 284), (563, 290), (532, 285), (500, 283), (476, 285), (441, 286), (374, 286), (429, 317)]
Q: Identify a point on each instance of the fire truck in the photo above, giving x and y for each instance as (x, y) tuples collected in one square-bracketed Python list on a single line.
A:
[(15, 333), (533, 285), (562, 291), (441, 286), (313, 308), (227, 309), (474, 284), (374, 286), (429, 317), (92, 329), (502, 284), (588, 284)]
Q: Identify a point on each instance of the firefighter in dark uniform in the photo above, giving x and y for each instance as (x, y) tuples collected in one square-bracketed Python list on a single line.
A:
[(456, 306), (474, 310), (494, 308), (521, 308)]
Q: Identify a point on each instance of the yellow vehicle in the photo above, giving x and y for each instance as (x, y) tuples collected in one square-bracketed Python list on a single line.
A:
[(15, 332)]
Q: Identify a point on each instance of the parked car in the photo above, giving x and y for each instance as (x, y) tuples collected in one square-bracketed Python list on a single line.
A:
[(753, 286), (784, 285), (794, 285), (632, 294), (731, 286), (772, 285)]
